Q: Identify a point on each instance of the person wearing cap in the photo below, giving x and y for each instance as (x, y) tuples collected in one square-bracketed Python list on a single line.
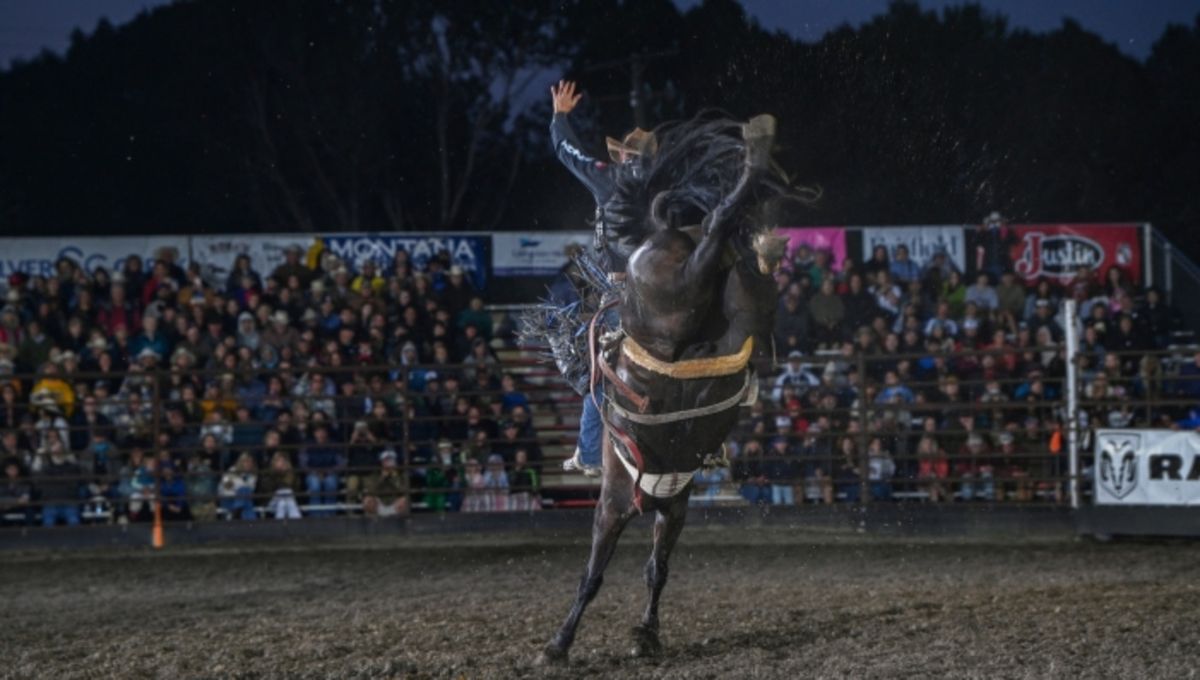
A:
[(292, 266), (795, 375), (387, 491), (50, 383), (151, 338)]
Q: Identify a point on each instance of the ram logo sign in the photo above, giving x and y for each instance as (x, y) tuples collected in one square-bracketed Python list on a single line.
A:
[(1147, 467), (1118, 469)]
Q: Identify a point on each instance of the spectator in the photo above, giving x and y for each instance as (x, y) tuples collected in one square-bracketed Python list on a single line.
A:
[(795, 375), (779, 469), (932, 468), (975, 470), (16, 495), (475, 498), (322, 462), (791, 324), (828, 312), (983, 295), (173, 493), (281, 483), (387, 491), (903, 269), (237, 488), (881, 467)]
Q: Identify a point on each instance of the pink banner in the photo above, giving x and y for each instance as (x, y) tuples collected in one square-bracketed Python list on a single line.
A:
[(830, 239)]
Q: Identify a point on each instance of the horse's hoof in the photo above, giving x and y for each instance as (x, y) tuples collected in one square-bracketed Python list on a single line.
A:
[(552, 655), (645, 643)]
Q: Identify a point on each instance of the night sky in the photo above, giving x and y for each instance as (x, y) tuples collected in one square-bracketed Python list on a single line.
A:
[(29, 26)]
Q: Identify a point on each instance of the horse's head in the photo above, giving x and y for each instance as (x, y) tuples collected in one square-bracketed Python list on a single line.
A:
[(770, 248)]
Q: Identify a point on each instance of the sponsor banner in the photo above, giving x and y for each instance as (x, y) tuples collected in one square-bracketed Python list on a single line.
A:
[(467, 251), (922, 242), (1147, 467), (36, 256), (535, 253), (266, 251), (1057, 251), (832, 239)]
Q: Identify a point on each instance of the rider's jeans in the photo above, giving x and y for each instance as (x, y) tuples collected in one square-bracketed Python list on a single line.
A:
[(591, 427)]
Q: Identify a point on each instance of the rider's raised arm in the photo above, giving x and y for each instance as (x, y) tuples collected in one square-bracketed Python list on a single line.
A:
[(594, 173)]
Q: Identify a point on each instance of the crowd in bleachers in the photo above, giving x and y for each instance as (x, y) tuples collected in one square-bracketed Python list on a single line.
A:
[(922, 382), (256, 393), (316, 389)]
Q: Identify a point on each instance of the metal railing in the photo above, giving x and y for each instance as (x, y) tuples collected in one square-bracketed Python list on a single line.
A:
[(917, 427)]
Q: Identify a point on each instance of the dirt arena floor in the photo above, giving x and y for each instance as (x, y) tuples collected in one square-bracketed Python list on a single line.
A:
[(741, 603)]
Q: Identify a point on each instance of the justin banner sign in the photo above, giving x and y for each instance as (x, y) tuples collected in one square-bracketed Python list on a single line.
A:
[(1057, 251), (1147, 467)]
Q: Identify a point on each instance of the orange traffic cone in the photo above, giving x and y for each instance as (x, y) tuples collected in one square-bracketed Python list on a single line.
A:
[(156, 537)]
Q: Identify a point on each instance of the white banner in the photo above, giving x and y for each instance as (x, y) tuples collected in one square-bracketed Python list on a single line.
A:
[(1147, 467), (534, 253), (266, 251), (922, 242), (36, 256)]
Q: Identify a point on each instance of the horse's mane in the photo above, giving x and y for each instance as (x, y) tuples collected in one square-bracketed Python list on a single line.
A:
[(698, 163)]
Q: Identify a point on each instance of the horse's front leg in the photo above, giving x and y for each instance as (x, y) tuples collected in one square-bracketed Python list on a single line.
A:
[(612, 514), (667, 527)]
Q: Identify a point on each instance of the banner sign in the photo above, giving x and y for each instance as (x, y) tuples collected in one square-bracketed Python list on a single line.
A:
[(534, 253), (468, 252), (831, 239), (266, 251), (922, 242), (1147, 467), (36, 256), (1057, 251)]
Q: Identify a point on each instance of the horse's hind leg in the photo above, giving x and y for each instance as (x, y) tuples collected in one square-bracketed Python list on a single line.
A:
[(612, 514), (667, 527)]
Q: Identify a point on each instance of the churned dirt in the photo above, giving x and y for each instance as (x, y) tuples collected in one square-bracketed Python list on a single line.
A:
[(745, 603)]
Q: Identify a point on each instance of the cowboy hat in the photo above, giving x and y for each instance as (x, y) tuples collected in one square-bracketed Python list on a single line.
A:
[(638, 143)]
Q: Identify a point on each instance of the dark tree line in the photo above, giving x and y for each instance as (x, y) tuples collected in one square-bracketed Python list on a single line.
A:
[(215, 115)]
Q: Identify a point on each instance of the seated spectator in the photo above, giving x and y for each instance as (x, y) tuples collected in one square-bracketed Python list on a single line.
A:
[(237, 488), (387, 491), (942, 320), (475, 498), (881, 467), (932, 468), (173, 492), (780, 470), (975, 470), (983, 295), (828, 312), (903, 269), (796, 376), (322, 463), (791, 325), (746, 467), (200, 482), (16, 495), (847, 471), (281, 483), (524, 483)]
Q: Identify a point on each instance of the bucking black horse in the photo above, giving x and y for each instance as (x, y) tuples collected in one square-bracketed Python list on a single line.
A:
[(697, 304)]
